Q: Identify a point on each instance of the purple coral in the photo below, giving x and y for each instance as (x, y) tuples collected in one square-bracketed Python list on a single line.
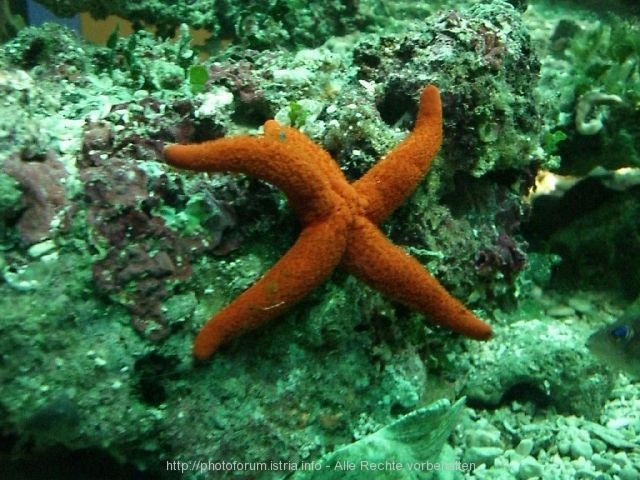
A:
[(504, 257), (42, 181), (144, 261), (242, 79), (490, 48)]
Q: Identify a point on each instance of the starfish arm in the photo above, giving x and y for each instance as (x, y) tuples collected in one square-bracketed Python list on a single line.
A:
[(307, 264), (275, 161), (390, 270), (392, 179)]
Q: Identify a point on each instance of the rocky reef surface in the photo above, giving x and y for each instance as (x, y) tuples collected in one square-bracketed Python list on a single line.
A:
[(110, 261)]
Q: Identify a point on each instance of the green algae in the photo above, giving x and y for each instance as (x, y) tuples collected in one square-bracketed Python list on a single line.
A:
[(10, 199), (594, 57)]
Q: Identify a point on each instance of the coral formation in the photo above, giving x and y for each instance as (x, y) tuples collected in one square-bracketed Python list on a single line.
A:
[(588, 123), (602, 57), (253, 24), (486, 45), (42, 182)]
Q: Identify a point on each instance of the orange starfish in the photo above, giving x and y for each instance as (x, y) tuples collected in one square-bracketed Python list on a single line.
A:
[(338, 222)]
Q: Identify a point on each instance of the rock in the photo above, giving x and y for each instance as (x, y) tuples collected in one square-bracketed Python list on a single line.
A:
[(561, 311), (629, 473), (580, 305), (548, 363), (621, 459), (482, 455), (610, 436), (529, 468), (564, 446), (598, 445), (39, 249), (525, 447), (484, 438), (601, 463), (412, 439), (581, 448)]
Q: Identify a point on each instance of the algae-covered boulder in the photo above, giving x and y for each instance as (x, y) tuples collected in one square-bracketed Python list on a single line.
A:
[(482, 59), (548, 364)]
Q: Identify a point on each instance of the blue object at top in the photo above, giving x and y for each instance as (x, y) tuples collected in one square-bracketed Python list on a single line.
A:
[(37, 15)]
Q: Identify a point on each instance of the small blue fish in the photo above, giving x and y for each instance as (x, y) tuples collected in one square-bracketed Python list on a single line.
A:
[(618, 344)]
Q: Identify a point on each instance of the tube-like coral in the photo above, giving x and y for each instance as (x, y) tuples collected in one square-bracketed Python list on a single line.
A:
[(586, 103)]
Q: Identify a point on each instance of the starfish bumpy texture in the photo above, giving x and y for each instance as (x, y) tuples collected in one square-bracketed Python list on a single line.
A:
[(339, 224)]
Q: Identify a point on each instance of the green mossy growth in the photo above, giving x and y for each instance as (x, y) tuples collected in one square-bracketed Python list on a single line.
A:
[(607, 58), (297, 114), (10, 196), (198, 77)]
